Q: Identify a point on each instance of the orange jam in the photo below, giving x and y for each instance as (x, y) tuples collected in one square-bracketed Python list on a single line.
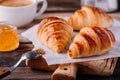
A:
[(8, 38)]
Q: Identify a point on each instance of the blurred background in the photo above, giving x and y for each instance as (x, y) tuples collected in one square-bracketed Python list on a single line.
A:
[(71, 5)]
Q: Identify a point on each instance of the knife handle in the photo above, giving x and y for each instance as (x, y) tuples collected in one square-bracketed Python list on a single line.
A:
[(4, 72)]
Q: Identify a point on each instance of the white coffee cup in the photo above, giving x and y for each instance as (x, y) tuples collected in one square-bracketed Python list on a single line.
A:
[(22, 15)]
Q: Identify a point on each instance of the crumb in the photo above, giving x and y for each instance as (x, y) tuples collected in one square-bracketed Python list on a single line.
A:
[(40, 51)]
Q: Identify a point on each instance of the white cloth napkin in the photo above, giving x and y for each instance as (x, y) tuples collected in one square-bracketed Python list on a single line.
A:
[(54, 58)]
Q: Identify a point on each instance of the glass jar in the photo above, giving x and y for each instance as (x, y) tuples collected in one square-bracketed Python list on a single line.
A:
[(9, 39)]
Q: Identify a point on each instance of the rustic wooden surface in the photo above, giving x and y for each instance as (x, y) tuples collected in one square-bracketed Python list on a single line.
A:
[(26, 73)]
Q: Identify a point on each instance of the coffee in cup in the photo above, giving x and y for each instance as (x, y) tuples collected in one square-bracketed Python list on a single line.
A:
[(16, 3), (21, 12)]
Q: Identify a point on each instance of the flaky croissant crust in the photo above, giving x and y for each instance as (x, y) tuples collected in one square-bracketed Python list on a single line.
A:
[(89, 16), (55, 33), (91, 41)]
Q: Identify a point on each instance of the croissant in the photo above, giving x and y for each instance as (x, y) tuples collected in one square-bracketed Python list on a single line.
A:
[(55, 33), (91, 41), (89, 16)]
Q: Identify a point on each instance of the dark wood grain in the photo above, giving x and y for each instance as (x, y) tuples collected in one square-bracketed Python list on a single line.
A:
[(25, 73), (63, 5)]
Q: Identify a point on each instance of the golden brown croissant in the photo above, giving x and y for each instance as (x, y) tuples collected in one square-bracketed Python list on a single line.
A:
[(91, 41), (55, 33), (89, 16)]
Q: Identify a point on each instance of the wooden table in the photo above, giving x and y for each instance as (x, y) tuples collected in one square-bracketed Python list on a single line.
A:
[(25, 73)]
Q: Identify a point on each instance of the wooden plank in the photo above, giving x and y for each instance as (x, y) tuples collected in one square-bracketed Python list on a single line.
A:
[(98, 67), (62, 5), (103, 67), (25, 73)]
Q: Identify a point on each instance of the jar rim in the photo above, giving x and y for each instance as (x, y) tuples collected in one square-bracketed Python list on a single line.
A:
[(13, 26)]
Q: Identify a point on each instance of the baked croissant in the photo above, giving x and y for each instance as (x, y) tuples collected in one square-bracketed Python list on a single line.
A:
[(91, 41), (89, 16), (55, 33)]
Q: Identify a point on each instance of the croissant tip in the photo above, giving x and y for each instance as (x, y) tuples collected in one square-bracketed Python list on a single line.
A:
[(58, 48)]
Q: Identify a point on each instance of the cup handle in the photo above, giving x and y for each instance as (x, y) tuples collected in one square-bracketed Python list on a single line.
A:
[(43, 8)]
